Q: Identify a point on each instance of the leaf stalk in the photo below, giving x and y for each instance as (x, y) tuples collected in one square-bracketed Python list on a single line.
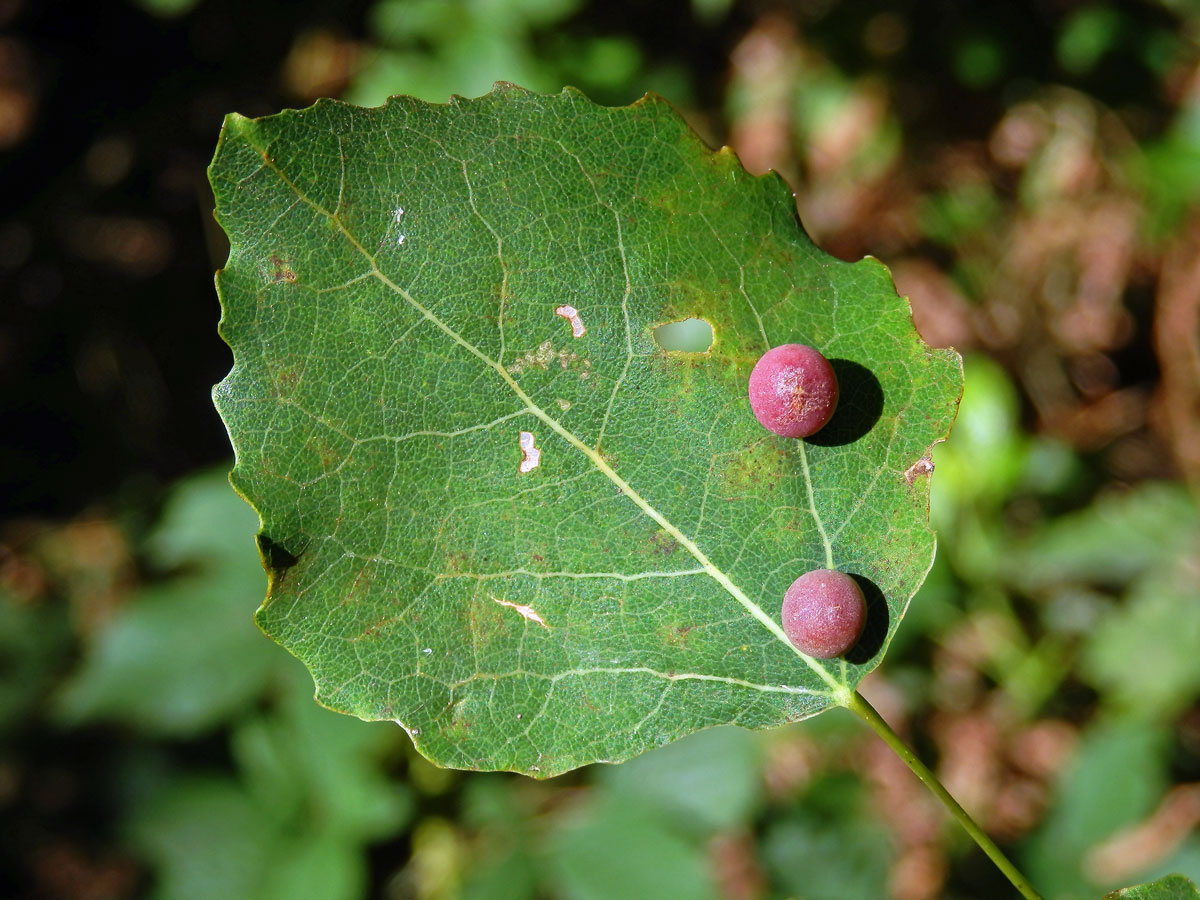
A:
[(858, 705)]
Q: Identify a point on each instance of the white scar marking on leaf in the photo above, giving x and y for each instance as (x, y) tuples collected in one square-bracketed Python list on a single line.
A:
[(400, 240), (571, 314), (542, 357), (532, 456), (529, 573), (525, 611), (399, 215), (556, 677), (564, 405)]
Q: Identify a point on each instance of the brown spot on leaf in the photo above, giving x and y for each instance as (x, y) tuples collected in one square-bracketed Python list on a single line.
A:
[(282, 271), (371, 629), (275, 559), (329, 455), (286, 381), (922, 468), (459, 724), (484, 620), (677, 635), (664, 544), (362, 585), (761, 465)]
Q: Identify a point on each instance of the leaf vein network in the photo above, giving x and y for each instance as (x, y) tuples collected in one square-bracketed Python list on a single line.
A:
[(556, 677), (840, 691)]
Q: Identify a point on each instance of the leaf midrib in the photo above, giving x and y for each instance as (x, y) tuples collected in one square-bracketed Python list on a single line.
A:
[(840, 691)]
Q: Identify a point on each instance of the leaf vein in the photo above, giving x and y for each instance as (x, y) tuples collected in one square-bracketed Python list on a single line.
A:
[(529, 573), (841, 692), (643, 670)]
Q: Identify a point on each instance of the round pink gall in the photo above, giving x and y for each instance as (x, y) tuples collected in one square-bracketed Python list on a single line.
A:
[(823, 613), (793, 390)]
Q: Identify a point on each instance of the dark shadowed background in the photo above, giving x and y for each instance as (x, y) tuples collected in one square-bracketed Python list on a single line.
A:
[(1030, 171)]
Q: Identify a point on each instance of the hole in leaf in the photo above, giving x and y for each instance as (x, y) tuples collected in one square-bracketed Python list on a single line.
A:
[(686, 336)]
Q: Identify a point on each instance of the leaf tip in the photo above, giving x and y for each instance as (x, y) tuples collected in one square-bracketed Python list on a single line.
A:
[(501, 88), (237, 125), (652, 99)]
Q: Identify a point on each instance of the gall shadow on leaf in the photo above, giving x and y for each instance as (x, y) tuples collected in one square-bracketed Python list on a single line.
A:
[(875, 631), (860, 404)]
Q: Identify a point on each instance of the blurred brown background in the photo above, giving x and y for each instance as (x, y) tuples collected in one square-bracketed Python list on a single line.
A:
[(1029, 170)]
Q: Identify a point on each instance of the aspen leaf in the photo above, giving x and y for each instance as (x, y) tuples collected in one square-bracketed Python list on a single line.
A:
[(494, 509)]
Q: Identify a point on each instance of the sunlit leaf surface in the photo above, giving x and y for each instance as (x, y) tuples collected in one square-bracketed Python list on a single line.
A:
[(494, 508)]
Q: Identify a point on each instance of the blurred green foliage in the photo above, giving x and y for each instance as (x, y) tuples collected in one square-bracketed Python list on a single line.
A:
[(435, 48), (1116, 777), (152, 668), (1057, 630), (307, 788), (167, 8), (306, 792), (1112, 586)]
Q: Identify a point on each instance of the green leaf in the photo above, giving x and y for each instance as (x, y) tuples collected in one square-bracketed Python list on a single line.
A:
[(1172, 887), (703, 783), (1154, 525), (35, 639), (1087, 36), (829, 847), (1159, 626), (301, 758), (1113, 781), (390, 299), (654, 861), (311, 791), (207, 837)]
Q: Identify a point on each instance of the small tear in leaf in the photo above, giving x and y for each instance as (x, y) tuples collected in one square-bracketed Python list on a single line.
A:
[(525, 611), (531, 456), (686, 336), (571, 314), (274, 557)]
